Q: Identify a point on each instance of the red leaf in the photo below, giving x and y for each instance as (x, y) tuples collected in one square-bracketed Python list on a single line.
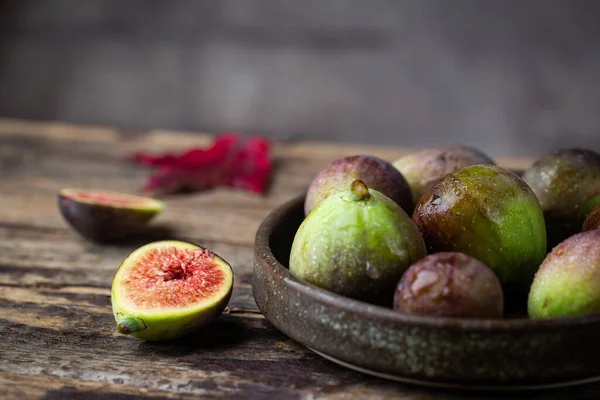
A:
[(232, 160)]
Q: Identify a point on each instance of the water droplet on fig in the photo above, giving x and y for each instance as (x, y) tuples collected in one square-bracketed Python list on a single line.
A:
[(423, 280), (372, 271)]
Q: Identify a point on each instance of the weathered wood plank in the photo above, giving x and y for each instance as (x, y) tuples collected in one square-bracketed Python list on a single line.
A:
[(236, 357), (56, 257), (235, 351), (20, 386), (317, 152), (86, 309), (57, 131)]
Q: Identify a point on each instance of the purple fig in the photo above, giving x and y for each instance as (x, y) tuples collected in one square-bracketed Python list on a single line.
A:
[(567, 184), (376, 173), (425, 168)]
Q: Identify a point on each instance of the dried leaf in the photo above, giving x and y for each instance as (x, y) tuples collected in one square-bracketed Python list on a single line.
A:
[(232, 161)]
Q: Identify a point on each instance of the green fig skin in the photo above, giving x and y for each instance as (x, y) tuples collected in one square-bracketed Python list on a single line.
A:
[(568, 281), (592, 221), (489, 213), (376, 173), (425, 168), (356, 245), (567, 184)]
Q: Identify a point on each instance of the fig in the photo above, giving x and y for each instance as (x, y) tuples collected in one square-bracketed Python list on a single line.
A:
[(488, 213), (376, 173), (450, 284), (167, 289), (567, 184), (568, 281), (593, 220), (356, 243), (425, 168), (103, 216)]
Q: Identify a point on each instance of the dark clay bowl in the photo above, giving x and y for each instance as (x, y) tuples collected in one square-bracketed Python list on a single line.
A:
[(514, 353)]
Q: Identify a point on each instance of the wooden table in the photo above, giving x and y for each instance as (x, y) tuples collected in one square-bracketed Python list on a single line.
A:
[(58, 334)]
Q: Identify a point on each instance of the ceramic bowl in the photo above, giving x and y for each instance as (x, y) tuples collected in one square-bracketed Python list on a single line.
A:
[(510, 353)]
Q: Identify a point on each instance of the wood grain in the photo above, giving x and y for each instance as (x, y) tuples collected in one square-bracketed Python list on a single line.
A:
[(55, 316)]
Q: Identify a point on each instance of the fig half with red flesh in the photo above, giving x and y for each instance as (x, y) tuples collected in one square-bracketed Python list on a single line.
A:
[(103, 216), (168, 289)]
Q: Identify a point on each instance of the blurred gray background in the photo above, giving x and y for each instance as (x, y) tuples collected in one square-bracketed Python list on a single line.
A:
[(511, 77)]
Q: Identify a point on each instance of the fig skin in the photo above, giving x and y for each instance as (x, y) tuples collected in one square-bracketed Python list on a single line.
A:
[(376, 173), (104, 223), (568, 281), (162, 325), (451, 285), (489, 213), (356, 243), (425, 168), (592, 221), (567, 184)]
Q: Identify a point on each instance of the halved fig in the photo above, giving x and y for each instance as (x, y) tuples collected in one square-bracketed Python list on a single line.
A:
[(103, 216), (167, 289)]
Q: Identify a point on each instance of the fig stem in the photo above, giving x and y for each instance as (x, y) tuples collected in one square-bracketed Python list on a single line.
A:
[(359, 190), (128, 325)]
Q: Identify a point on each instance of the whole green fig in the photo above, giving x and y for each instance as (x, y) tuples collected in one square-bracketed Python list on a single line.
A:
[(356, 243), (425, 168), (568, 281), (376, 173), (567, 184), (489, 213)]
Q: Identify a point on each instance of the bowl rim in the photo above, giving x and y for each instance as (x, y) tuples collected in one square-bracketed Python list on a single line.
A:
[(366, 310)]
